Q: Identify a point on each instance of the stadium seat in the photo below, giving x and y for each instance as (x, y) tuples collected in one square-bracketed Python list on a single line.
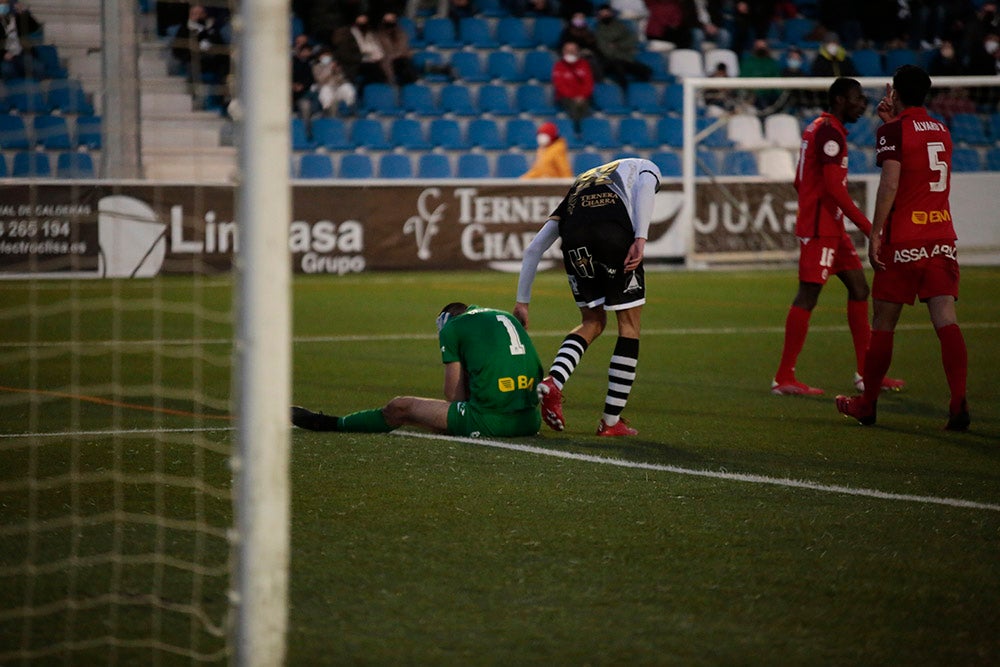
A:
[(861, 133), (860, 161), (31, 164), (26, 96), (657, 62), (51, 132), (3, 166), (300, 140), (503, 66), (585, 161), (67, 96), (533, 98), (88, 132), (796, 30), (315, 165), (673, 98), (568, 132), (596, 132), (369, 133), (408, 133), (491, 8), (669, 163), (538, 65), (643, 97), (468, 67), (484, 133), (547, 31), (380, 99), (727, 57), (686, 62), (457, 99), (48, 56), (511, 165), (14, 133), (717, 138), (706, 163), (894, 58), (431, 65), (475, 31), (968, 128), (473, 165), (993, 159), (868, 62), (521, 133), (446, 133), (513, 33), (670, 131), (782, 130), (439, 32), (409, 26), (776, 164), (965, 159), (634, 132), (355, 165), (433, 165), (395, 165), (993, 124), (745, 131), (493, 99), (331, 133), (739, 163), (419, 99), (74, 165), (609, 99)]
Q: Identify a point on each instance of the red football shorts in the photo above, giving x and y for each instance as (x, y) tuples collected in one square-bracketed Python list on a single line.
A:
[(827, 256), (917, 272)]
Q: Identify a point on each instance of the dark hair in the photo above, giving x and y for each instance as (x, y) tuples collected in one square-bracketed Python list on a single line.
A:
[(839, 88), (912, 85), (455, 308)]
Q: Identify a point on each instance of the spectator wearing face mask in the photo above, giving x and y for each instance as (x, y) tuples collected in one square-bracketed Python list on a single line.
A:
[(573, 81), (985, 61), (372, 67), (398, 60), (551, 160), (19, 25), (333, 88), (832, 59), (760, 63), (619, 45), (578, 30)]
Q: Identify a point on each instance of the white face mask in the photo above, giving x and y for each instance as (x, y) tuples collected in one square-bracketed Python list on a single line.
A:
[(991, 46), (832, 47), (543, 140), (570, 58), (794, 63), (326, 60)]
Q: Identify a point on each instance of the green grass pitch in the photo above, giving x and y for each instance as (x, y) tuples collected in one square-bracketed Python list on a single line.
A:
[(425, 550)]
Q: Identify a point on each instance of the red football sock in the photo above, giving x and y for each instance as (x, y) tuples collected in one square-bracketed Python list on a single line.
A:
[(955, 358), (796, 328), (861, 330), (877, 362)]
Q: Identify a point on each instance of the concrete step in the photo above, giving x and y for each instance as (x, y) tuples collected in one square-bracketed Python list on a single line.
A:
[(155, 104), (194, 132), (186, 165), (67, 32)]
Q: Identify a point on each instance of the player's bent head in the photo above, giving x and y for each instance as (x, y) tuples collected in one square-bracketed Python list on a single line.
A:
[(451, 310), (911, 84), (840, 87)]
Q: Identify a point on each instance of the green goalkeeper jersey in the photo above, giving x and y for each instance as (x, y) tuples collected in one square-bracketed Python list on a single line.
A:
[(494, 349)]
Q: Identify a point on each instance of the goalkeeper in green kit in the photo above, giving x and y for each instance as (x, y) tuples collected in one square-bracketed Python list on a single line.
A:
[(491, 375)]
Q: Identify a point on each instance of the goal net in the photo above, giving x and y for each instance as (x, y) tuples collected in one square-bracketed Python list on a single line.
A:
[(144, 381), (741, 139)]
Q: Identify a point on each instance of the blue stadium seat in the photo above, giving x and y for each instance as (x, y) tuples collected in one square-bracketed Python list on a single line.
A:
[(74, 165), (513, 32), (644, 98), (868, 62), (861, 133), (596, 132), (493, 99), (419, 99), (860, 161), (546, 31), (52, 132), (48, 56), (533, 98), (717, 138), (505, 67), (993, 158), (468, 67), (491, 8), (473, 165), (67, 96), (3, 166), (669, 163), (585, 161), (739, 163), (706, 163), (538, 65), (395, 165), (447, 134), (968, 128), (476, 32), (315, 165), (409, 26), (356, 165), (993, 123), (331, 133), (670, 131), (965, 159), (457, 99), (369, 133), (796, 29), (673, 97), (14, 133), (484, 133), (26, 96), (439, 31), (431, 64), (408, 133), (433, 165), (88, 132), (655, 61), (894, 58), (634, 132), (511, 165), (609, 99), (380, 98), (568, 132), (521, 133), (31, 164), (300, 140)]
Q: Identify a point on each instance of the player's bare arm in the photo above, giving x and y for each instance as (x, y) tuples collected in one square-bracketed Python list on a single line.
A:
[(521, 313), (885, 196), (456, 385), (635, 254)]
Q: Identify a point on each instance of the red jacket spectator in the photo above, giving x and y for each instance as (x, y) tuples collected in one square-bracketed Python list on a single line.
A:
[(572, 80)]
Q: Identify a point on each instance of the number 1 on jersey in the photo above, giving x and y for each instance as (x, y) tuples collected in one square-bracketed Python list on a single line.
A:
[(516, 346)]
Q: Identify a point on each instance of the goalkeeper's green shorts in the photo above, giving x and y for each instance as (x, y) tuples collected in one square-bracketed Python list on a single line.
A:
[(464, 418)]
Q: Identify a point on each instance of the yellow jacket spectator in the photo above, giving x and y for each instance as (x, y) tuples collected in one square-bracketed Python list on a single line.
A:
[(551, 160)]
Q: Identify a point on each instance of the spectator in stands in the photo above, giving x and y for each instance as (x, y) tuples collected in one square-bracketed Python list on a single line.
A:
[(461, 9), (760, 63), (200, 45), (618, 45), (985, 60), (944, 61), (751, 20), (19, 27), (632, 10), (841, 16), (795, 62), (573, 82), (333, 89), (569, 7), (551, 160), (372, 68), (719, 102), (305, 101), (346, 52), (578, 30), (671, 21), (398, 60), (711, 20), (832, 59), (538, 8), (985, 21)]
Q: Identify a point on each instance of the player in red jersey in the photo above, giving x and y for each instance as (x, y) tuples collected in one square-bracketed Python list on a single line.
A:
[(825, 249), (912, 246)]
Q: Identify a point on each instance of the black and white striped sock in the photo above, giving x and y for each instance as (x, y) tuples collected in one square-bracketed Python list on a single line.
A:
[(621, 375), (568, 356)]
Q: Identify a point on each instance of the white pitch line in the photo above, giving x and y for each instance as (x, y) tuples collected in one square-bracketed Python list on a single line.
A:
[(729, 476)]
